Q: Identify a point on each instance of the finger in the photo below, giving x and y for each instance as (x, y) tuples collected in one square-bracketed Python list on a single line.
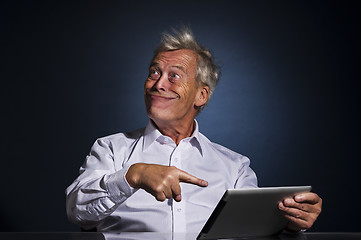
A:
[(167, 192), (291, 203), (309, 202), (298, 219), (159, 196), (160, 191), (188, 178), (290, 211), (311, 198), (176, 190), (296, 224)]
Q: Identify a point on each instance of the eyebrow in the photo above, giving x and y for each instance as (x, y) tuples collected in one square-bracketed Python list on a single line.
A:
[(152, 64), (155, 64), (180, 68)]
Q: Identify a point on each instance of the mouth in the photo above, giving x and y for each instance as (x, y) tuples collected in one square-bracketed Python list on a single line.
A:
[(153, 96), (157, 97)]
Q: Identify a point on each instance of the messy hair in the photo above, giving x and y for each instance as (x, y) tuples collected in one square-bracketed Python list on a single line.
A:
[(207, 72)]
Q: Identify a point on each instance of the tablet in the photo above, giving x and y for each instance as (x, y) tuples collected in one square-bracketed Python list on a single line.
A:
[(249, 213)]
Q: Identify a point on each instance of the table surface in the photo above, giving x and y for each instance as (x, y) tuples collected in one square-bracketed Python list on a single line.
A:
[(165, 236)]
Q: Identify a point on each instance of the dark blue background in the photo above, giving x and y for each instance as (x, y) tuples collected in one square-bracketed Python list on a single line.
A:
[(288, 98)]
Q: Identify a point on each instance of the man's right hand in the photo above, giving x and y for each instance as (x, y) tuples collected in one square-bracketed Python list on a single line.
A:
[(161, 181)]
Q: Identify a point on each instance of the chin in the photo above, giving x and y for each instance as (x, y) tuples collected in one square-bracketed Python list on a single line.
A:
[(159, 115)]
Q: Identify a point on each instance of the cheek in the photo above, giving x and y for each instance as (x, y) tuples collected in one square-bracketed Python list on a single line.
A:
[(184, 89), (148, 84)]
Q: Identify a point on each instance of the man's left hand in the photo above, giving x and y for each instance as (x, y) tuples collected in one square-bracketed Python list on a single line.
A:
[(302, 210)]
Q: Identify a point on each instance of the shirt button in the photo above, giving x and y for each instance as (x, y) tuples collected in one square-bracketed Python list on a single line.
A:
[(179, 209), (176, 159)]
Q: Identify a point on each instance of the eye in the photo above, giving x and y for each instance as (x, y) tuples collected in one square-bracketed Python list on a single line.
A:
[(174, 76), (153, 74)]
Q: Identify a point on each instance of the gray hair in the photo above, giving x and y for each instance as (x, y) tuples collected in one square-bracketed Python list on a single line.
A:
[(207, 72)]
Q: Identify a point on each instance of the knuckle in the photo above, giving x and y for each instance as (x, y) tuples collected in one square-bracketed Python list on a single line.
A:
[(307, 225), (158, 188), (302, 207), (172, 172), (314, 218), (172, 169), (170, 178)]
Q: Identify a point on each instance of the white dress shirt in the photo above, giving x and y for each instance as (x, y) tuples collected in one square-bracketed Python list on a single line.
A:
[(101, 197)]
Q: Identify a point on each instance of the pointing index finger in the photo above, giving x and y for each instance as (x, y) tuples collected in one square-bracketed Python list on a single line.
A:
[(188, 178)]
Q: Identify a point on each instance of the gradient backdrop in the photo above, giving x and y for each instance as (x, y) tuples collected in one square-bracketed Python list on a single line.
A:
[(288, 98)]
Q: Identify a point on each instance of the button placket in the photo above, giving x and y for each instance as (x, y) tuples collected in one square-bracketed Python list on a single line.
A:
[(176, 157), (179, 221), (179, 217)]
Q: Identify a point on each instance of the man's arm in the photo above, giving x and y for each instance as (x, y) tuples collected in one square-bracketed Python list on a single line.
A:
[(302, 211), (99, 189)]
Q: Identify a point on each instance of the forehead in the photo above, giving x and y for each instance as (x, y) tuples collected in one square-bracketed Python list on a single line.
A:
[(179, 58)]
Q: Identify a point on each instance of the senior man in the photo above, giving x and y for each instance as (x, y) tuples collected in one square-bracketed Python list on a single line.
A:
[(168, 177)]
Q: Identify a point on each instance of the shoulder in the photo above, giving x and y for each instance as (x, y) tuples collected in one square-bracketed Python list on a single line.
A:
[(235, 164), (124, 139), (222, 151)]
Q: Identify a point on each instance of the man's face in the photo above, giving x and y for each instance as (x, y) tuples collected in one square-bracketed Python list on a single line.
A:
[(170, 91)]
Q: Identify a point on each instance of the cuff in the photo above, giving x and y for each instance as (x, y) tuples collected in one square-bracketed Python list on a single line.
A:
[(118, 187)]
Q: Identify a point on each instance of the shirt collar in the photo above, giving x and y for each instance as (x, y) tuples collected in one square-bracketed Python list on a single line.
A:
[(195, 138), (151, 134)]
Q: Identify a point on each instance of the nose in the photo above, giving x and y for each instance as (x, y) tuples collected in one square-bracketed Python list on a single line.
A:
[(162, 83)]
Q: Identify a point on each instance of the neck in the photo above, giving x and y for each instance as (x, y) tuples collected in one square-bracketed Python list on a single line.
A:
[(176, 131)]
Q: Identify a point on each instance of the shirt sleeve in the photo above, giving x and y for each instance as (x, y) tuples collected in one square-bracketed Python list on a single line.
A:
[(99, 189), (246, 176)]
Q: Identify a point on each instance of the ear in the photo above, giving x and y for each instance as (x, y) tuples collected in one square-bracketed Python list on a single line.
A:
[(202, 96)]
